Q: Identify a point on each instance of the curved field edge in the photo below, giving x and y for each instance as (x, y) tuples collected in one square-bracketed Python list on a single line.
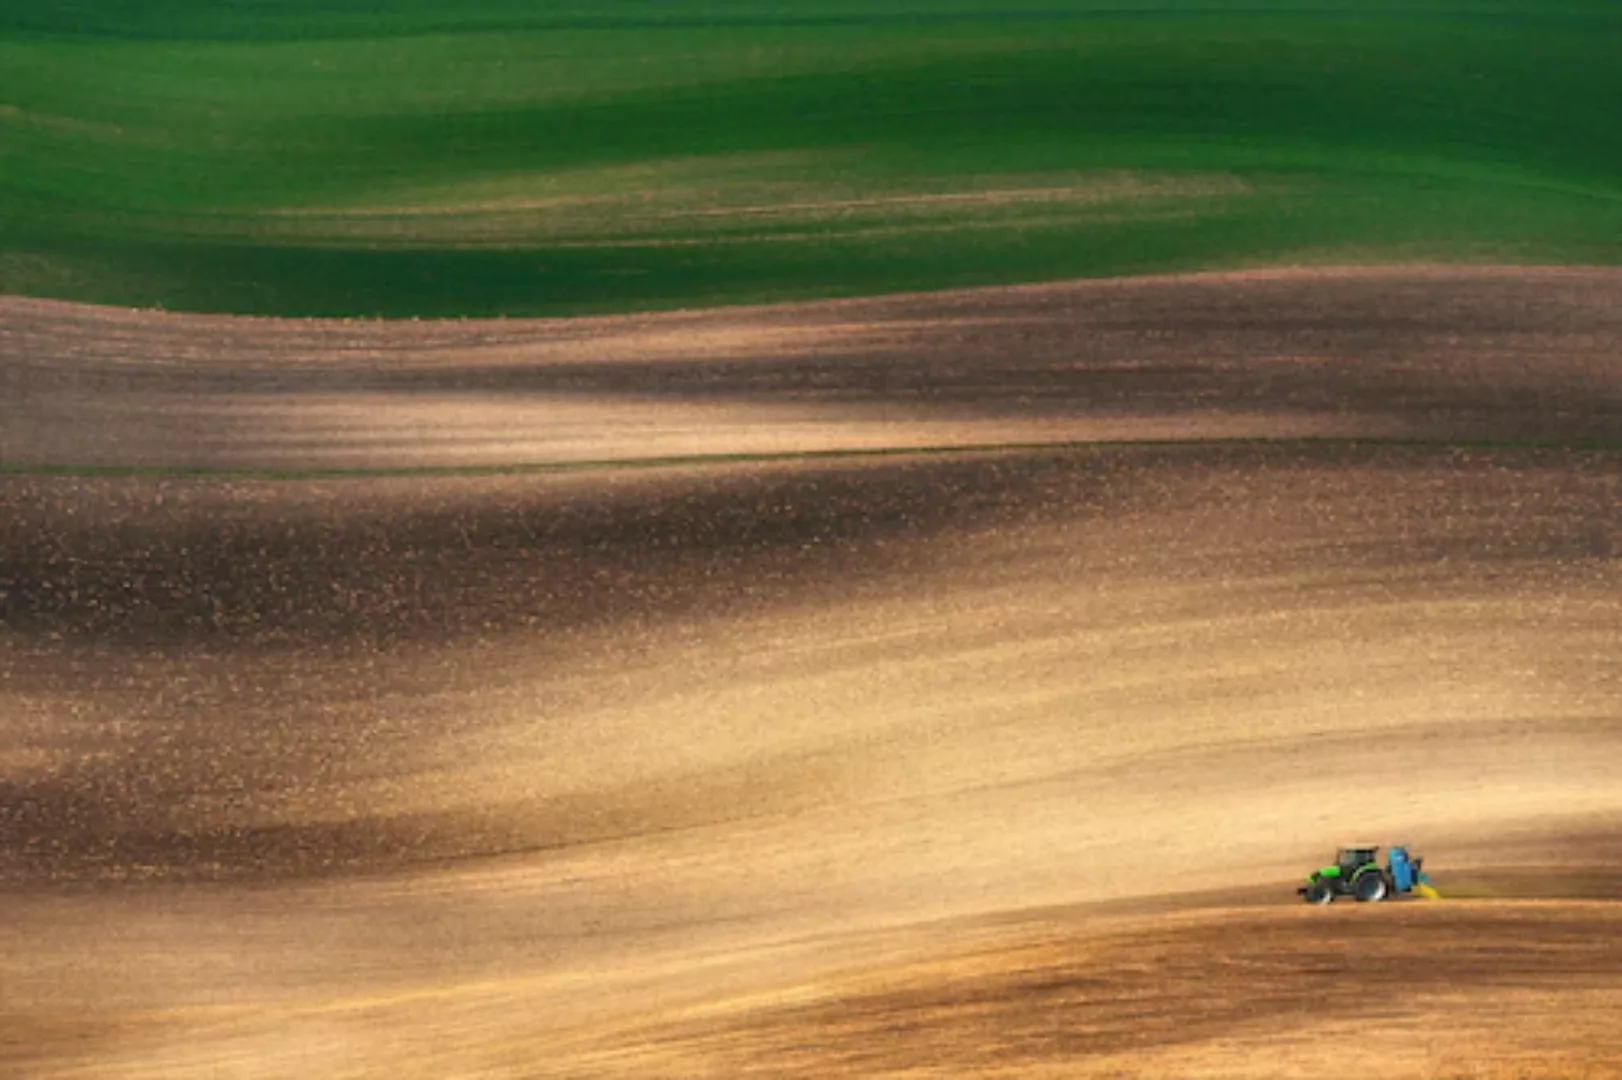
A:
[(1187, 991), (419, 160), (851, 455)]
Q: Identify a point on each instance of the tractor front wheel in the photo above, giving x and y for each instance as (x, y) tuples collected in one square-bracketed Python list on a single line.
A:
[(1319, 892), (1370, 888)]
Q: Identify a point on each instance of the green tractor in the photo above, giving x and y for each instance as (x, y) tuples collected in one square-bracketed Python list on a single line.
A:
[(1357, 873)]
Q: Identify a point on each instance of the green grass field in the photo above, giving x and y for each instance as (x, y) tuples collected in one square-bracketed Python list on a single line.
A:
[(430, 157)]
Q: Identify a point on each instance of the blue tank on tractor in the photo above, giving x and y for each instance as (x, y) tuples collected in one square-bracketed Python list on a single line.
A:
[(1401, 869)]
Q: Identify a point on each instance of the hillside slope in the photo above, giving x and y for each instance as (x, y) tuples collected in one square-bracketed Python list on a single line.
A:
[(990, 758), (422, 158)]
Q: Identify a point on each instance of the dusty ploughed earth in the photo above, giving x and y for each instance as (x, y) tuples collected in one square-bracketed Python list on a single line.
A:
[(1465, 354), (934, 685)]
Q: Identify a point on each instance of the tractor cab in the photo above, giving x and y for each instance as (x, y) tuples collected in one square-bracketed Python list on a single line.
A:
[(1352, 859)]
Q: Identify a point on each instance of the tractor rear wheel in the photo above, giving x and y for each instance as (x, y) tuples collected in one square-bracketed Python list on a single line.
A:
[(1370, 888), (1319, 892)]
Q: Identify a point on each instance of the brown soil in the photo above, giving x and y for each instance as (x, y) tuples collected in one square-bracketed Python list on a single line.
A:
[(997, 761), (1417, 989), (1418, 353)]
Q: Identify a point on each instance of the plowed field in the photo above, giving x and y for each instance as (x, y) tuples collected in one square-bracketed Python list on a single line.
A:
[(935, 685)]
